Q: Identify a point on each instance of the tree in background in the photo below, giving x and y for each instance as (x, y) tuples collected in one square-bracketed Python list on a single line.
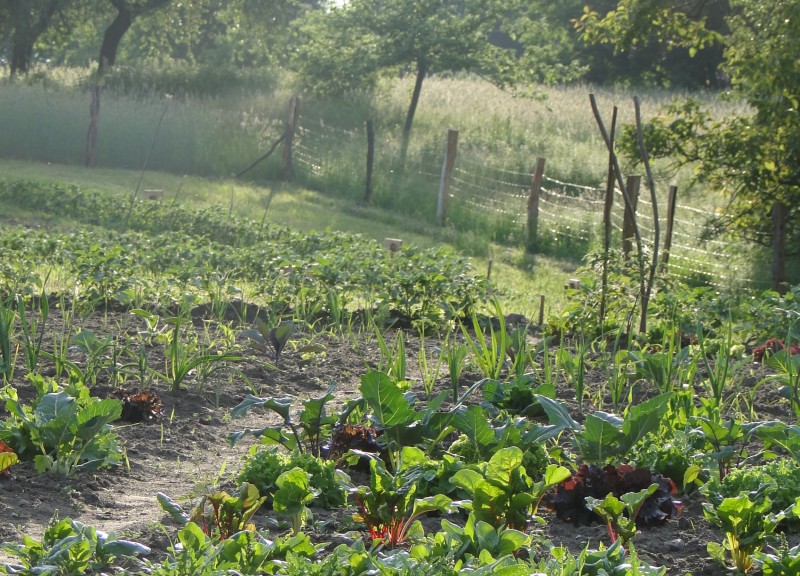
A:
[(753, 158), (23, 22), (346, 48)]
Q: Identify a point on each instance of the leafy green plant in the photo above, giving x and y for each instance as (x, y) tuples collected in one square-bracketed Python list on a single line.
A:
[(263, 467), (747, 523), (33, 327), (489, 353), (721, 438), (218, 513), (620, 513), (783, 561), (518, 395), (455, 356), (477, 539), (777, 479), (276, 337), (68, 547), (63, 434), (501, 490), (388, 506), (7, 317), (290, 499), (182, 358), (306, 433), (245, 552), (605, 436)]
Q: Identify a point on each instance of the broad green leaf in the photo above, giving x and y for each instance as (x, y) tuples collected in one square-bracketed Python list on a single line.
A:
[(467, 479), (281, 406), (386, 401), (96, 416), (511, 540), (435, 503), (502, 465), (486, 536), (55, 406), (555, 474), (557, 413), (601, 437), (645, 418), (172, 508), (472, 422), (192, 537)]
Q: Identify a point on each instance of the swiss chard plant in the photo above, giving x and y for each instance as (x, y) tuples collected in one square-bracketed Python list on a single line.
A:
[(218, 513), (389, 506), (747, 523), (620, 513), (500, 489)]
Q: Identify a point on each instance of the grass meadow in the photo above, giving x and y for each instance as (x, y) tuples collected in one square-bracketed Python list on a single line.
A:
[(201, 142)]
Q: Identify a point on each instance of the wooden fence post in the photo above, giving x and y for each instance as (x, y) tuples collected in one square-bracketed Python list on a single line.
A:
[(447, 173), (779, 247), (671, 202), (533, 206), (289, 131), (370, 160), (632, 183)]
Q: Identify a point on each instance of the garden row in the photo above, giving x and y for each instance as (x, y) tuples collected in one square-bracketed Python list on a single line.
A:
[(491, 429)]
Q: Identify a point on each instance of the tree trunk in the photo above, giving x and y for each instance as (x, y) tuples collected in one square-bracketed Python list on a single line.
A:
[(422, 71), (113, 36), (27, 32), (779, 247)]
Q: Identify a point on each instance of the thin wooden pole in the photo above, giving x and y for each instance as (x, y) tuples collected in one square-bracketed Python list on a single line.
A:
[(628, 222), (671, 202), (779, 247), (607, 208), (290, 129), (370, 160), (447, 174), (541, 309), (533, 206)]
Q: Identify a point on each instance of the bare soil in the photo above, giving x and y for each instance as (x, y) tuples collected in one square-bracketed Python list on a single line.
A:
[(187, 448)]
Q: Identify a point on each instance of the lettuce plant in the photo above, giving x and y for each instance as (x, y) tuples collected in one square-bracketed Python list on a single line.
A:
[(294, 492)]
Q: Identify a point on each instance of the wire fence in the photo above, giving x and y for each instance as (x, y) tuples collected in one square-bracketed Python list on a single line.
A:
[(569, 214)]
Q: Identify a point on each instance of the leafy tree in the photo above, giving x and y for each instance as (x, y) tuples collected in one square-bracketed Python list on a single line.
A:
[(753, 158), (350, 45), (23, 22)]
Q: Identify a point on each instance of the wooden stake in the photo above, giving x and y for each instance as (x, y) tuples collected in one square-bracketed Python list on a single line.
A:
[(447, 174), (533, 205)]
